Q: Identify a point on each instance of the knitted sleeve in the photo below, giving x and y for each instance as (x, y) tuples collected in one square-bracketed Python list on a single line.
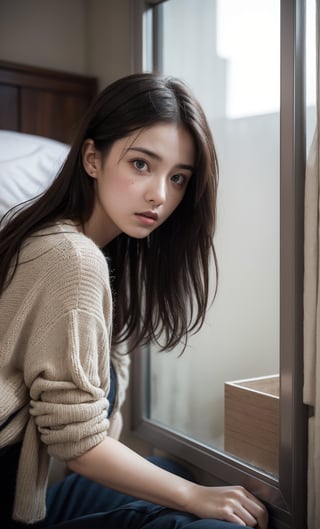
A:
[(68, 399), (67, 364)]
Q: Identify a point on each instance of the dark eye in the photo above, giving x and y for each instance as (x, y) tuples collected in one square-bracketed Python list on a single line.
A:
[(141, 165), (178, 179)]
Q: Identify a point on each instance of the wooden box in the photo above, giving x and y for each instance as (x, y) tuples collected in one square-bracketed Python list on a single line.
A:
[(251, 428)]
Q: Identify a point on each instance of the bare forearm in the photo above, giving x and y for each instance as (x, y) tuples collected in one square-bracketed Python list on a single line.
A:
[(114, 465)]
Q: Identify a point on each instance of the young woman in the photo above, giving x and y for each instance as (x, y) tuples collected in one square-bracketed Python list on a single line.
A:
[(116, 251)]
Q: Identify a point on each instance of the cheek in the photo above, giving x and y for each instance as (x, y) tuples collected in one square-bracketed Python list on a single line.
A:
[(118, 185), (125, 183)]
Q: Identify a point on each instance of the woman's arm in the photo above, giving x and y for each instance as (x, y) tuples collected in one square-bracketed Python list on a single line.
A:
[(114, 465)]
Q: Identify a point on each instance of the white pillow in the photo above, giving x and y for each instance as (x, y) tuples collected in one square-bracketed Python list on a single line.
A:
[(28, 164)]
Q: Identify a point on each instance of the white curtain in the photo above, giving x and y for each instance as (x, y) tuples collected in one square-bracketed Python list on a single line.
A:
[(312, 308)]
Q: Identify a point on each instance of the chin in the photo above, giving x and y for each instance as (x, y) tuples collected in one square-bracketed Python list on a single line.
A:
[(138, 235), (138, 232)]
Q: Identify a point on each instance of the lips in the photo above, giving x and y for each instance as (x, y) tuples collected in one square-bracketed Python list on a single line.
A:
[(149, 215)]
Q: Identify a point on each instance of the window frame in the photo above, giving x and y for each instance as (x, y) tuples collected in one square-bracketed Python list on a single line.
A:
[(286, 496)]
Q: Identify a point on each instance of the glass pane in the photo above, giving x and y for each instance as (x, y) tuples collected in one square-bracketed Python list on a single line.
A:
[(228, 52)]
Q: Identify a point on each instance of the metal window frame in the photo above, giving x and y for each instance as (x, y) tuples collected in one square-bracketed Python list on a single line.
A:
[(287, 496)]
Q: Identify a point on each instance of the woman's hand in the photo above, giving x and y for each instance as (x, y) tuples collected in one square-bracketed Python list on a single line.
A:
[(233, 504)]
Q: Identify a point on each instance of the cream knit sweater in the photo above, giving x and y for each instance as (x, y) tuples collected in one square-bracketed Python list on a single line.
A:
[(55, 328)]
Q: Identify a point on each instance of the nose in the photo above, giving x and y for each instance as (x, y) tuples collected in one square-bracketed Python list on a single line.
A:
[(156, 191)]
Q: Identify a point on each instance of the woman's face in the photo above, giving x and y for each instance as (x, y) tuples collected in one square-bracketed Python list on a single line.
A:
[(140, 182)]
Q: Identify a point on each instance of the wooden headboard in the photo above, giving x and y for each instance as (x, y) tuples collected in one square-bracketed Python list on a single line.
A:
[(44, 102)]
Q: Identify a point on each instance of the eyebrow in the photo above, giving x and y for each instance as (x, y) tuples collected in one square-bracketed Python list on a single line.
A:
[(158, 158)]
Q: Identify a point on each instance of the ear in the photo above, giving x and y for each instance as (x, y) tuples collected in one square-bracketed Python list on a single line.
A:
[(90, 158)]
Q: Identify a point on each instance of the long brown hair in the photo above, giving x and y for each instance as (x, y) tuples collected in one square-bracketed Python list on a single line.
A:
[(161, 283)]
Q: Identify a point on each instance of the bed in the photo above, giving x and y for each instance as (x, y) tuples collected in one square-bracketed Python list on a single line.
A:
[(39, 113)]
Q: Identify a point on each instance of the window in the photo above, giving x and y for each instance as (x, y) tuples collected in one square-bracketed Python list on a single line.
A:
[(241, 60)]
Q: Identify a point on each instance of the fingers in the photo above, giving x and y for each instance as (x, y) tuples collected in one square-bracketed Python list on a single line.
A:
[(240, 516), (259, 511), (250, 510), (241, 507), (232, 504)]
